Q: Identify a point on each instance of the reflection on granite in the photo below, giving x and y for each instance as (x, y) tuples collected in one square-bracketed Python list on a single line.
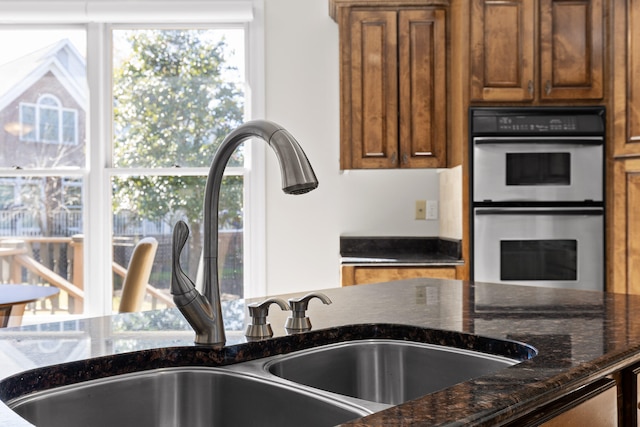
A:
[(580, 336), (413, 250)]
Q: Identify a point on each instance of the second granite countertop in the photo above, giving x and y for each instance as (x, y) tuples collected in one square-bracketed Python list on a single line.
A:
[(416, 251)]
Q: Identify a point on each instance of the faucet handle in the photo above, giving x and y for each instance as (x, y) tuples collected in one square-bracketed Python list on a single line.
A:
[(259, 327), (298, 321)]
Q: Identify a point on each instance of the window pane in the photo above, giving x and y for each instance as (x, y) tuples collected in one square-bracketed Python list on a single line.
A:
[(149, 206), (50, 101), (7, 192), (35, 215), (72, 192), (177, 94), (41, 207), (48, 123), (538, 168), (551, 259), (42, 72), (69, 127), (27, 127)]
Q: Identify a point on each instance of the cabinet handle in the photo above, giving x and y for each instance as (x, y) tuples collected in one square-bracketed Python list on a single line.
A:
[(405, 159), (547, 87), (530, 87), (394, 158)]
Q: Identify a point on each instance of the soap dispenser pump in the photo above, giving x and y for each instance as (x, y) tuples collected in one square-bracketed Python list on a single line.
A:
[(298, 321)]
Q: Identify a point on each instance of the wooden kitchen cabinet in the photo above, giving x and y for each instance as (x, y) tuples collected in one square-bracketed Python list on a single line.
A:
[(631, 393), (627, 78), (502, 50), (623, 166), (393, 79), (360, 275), (624, 227), (536, 50)]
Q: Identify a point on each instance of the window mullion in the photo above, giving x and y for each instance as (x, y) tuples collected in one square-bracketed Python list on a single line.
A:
[(98, 256)]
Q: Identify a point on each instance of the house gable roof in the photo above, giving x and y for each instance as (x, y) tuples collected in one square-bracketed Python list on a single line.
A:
[(61, 58)]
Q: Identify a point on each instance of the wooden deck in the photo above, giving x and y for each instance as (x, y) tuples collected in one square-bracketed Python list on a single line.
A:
[(58, 261)]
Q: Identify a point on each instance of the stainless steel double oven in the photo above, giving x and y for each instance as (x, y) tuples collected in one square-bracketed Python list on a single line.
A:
[(537, 198)]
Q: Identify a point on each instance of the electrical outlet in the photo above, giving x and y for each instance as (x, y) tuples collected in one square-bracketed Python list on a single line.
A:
[(421, 209), (432, 209)]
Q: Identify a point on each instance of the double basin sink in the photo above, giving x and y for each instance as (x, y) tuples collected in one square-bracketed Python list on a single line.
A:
[(322, 386)]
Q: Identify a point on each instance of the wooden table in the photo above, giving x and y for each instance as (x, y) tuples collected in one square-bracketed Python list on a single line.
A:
[(14, 299)]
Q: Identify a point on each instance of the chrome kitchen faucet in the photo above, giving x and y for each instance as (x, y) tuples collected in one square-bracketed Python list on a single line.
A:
[(203, 311)]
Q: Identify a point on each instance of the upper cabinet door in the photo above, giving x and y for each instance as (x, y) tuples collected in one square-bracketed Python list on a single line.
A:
[(626, 78), (423, 87), (571, 49), (393, 84), (373, 82), (502, 50), (632, 141)]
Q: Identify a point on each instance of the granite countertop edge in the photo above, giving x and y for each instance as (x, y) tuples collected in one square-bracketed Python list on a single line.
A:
[(381, 261), (577, 316)]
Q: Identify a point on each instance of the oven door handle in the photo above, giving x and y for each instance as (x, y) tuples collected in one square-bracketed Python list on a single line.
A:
[(556, 140), (553, 212)]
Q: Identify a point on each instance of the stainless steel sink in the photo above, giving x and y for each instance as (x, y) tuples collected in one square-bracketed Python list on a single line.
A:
[(326, 385), (181, 397), (384, 371)]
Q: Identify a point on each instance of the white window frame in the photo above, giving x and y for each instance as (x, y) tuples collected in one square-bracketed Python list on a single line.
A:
[(98, 17)]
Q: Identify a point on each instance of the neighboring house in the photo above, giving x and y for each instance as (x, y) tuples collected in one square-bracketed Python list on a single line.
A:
[(43, 99)]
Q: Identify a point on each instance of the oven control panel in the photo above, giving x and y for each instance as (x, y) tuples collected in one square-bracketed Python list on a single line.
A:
[(536, 124), (542, 121)]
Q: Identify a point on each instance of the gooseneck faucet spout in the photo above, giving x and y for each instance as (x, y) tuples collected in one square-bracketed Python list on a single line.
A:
[(203, 311)]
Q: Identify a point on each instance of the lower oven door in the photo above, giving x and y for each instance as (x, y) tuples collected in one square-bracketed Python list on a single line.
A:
[(549, 247)]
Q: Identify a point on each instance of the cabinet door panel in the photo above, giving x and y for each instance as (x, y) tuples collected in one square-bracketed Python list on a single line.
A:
[(625, 223), (595, 404), (600, 409), (571, 49), (502, 50), (633, 227), (633, 56), (423, 100), (627, 13), (374, 92)]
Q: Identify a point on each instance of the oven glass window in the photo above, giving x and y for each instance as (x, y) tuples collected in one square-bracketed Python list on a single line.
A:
[(538, 169), (538, 260)]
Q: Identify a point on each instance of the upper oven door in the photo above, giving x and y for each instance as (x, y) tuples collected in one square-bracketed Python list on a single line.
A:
[(549, 169)]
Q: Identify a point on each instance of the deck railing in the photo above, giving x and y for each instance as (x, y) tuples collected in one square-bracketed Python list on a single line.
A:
[(56, 261)]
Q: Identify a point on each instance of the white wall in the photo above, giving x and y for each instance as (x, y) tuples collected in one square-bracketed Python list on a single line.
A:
[(302, 94)]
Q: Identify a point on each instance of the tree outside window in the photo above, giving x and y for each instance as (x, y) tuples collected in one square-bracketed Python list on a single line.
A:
[(173, 106)]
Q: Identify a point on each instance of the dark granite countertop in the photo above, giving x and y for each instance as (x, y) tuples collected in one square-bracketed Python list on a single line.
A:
[(395, 251), (580, 336)]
